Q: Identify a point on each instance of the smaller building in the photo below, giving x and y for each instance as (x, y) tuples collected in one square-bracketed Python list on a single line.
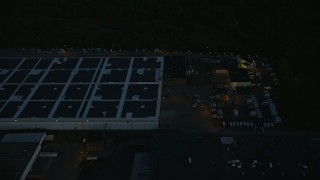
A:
[(18, 153), (239, 78), (141, 167)]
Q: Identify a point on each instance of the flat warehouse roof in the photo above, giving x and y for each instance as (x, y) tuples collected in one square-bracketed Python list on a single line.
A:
[(23, 138), (65, 88), (14, 158), (17, 151)]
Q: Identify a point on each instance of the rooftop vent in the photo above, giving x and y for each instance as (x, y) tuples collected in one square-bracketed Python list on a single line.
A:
[(140, 71), (135, 97)]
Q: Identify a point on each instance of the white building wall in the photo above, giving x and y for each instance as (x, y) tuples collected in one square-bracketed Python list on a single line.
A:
[(124, 125)]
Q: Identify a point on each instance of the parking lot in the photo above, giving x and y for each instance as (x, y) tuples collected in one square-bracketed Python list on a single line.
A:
[(213, 100), (265, 157), (64, 166), (178, 112)]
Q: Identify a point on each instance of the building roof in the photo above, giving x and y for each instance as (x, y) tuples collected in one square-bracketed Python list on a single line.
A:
[(14, 158), (121, 88), (16, 152), (23, 138)]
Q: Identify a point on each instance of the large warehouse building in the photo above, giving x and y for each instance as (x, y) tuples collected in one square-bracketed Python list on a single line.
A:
[(81, 92)]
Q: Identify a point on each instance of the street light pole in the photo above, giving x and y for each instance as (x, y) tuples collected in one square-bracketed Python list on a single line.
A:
[(105, 128)]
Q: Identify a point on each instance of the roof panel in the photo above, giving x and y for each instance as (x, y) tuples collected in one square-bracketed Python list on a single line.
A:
[(65, 63), (37, 109), (146, 63), (67, 109), (58, 76), (110, 91), (143, 75), (90, 63), (29, 63), (85, 87), (136, 109), (76, 92), (6, 91), (9, 63), (18, 76), (10, 109), (144, 91), (34, 76), (44, 63), (83, 76), (118, 63), (23, 137), (114, 75), (103, 109), (48, 92)]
